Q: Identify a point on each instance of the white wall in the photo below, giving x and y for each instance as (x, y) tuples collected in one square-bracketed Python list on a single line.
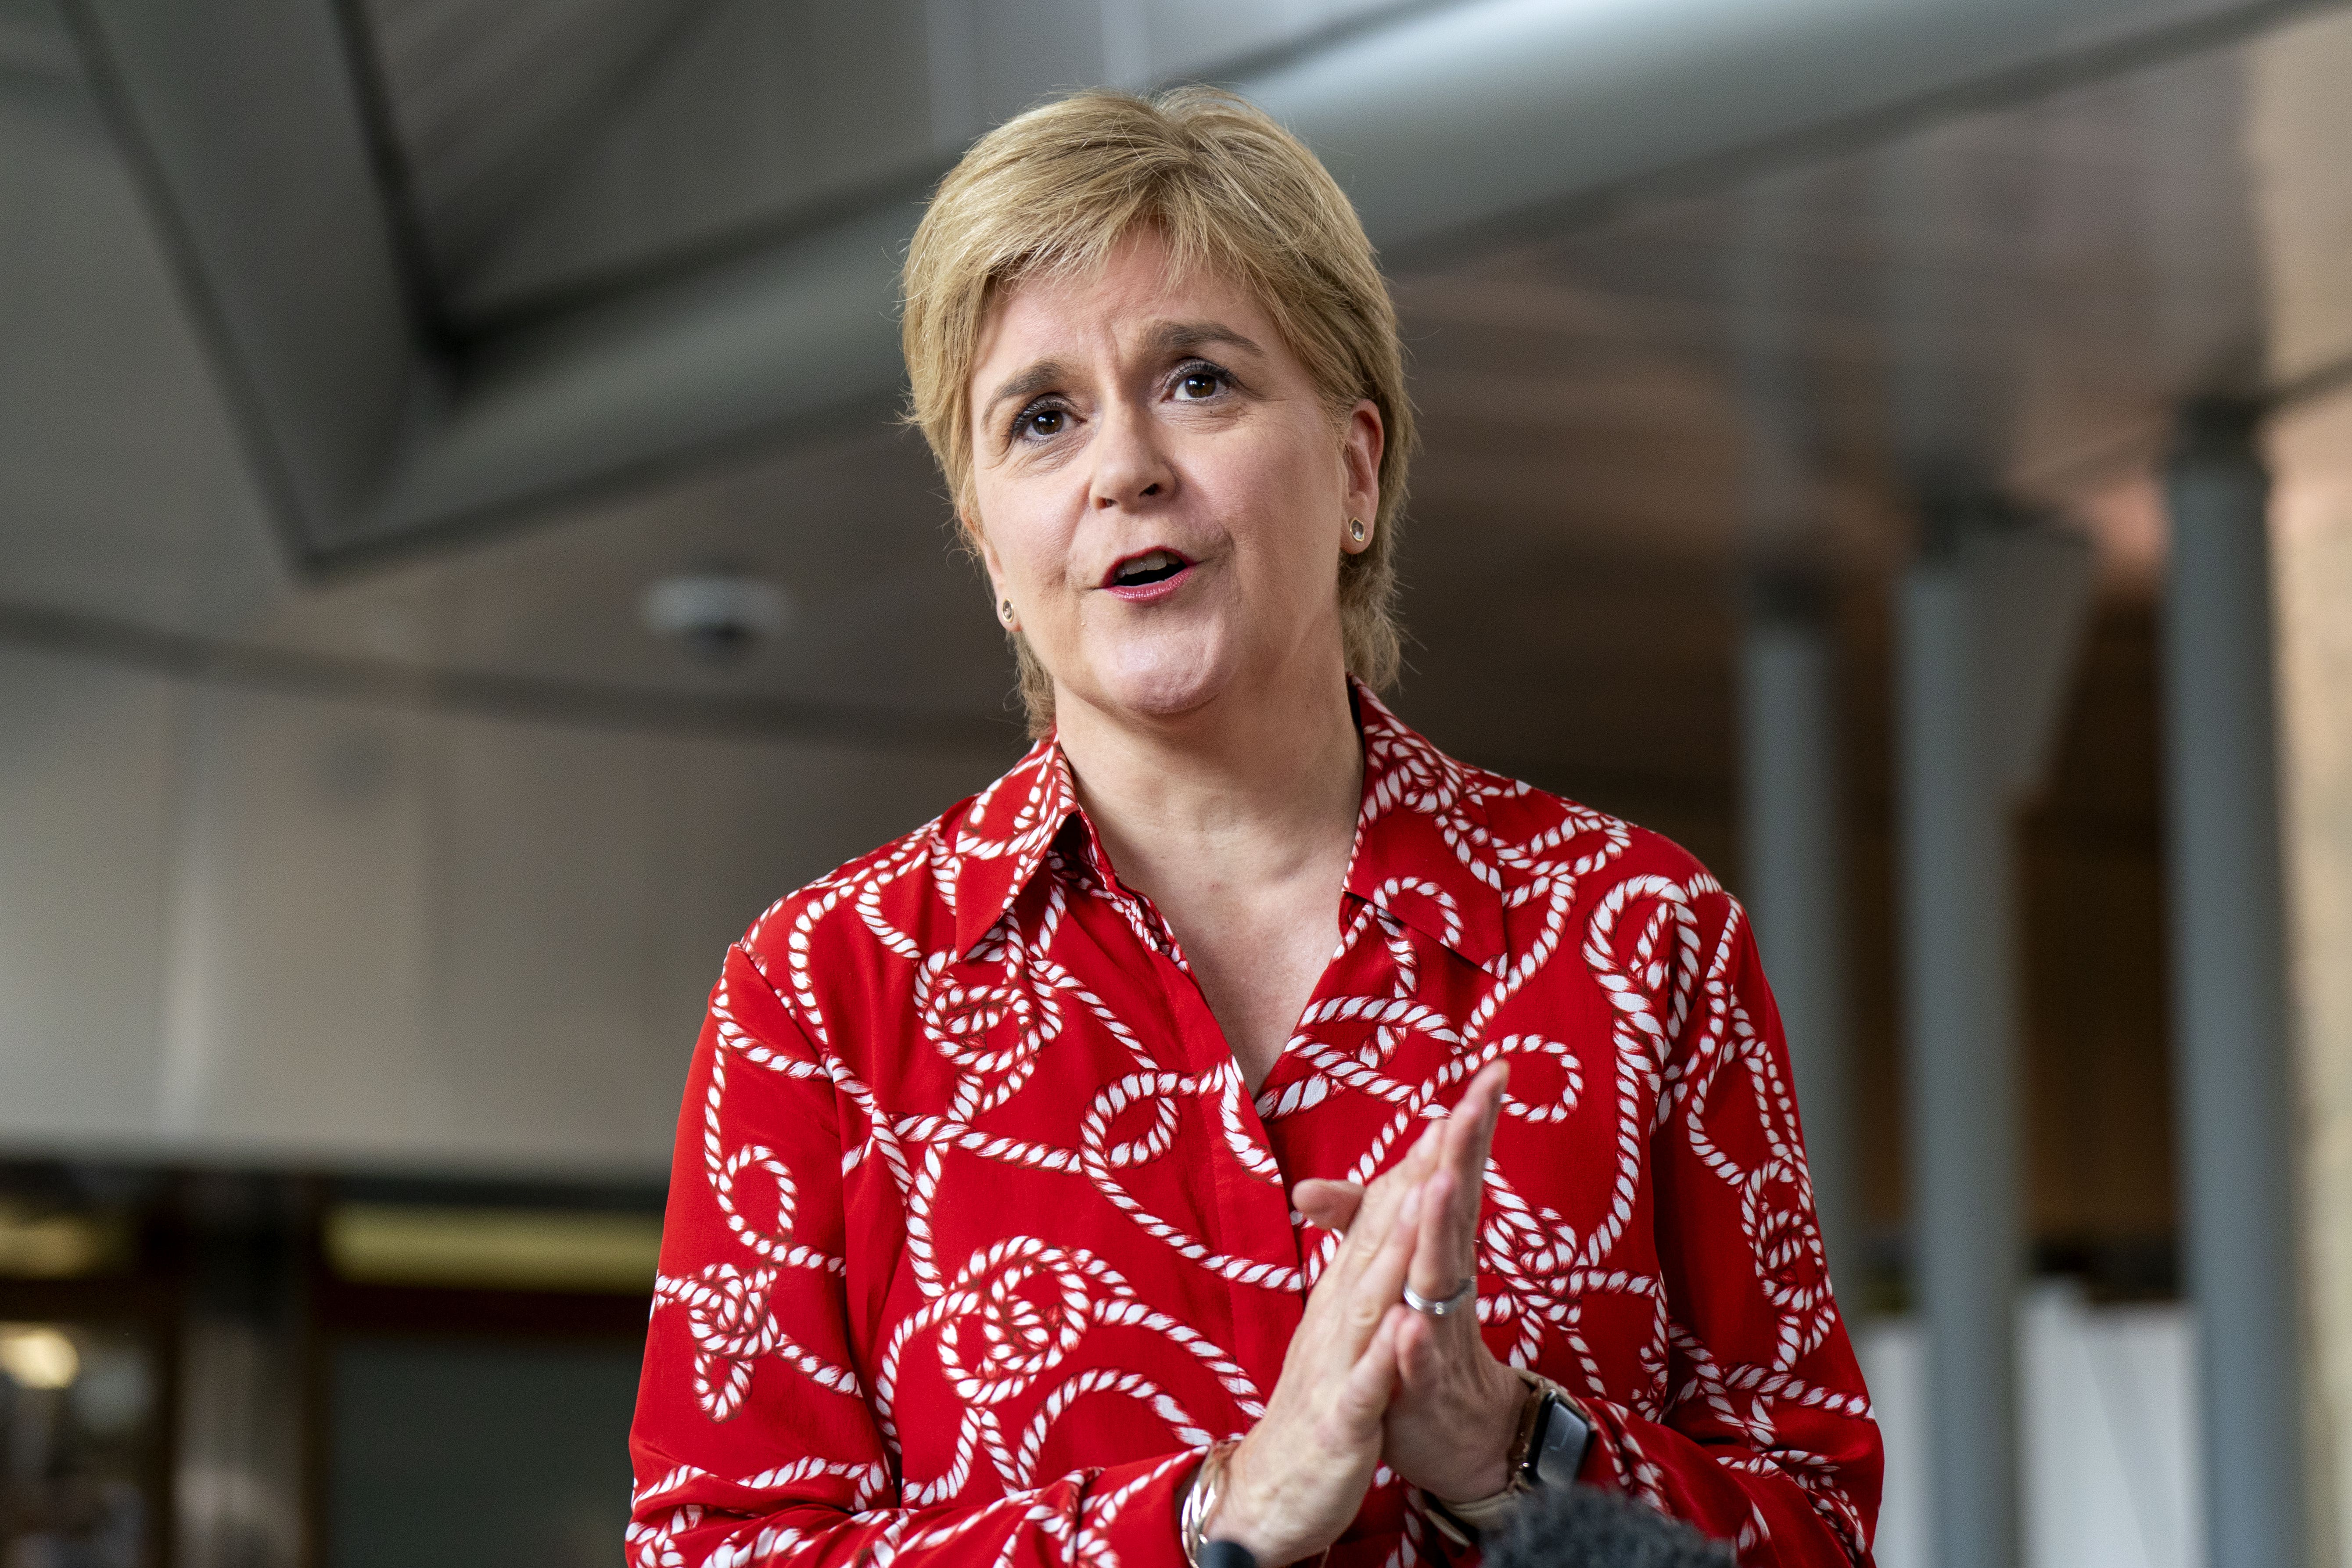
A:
[(243, 925), (2109, 1452)]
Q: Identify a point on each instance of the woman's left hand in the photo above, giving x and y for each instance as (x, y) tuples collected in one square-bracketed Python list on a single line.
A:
[(1456, 1409)]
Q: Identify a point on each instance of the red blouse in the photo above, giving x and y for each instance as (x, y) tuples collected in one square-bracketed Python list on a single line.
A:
[(975, 1237)]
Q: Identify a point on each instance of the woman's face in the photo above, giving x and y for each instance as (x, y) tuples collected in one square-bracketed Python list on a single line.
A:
[(1161, 494)]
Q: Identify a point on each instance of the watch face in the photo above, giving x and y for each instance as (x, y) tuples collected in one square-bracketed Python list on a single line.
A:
[(1558, 1451)]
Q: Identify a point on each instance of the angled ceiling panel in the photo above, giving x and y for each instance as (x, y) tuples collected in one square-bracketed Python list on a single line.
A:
[(485, 102), (753, 114), (260, 165)]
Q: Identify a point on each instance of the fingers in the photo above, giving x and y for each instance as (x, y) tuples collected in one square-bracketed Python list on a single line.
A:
[(1365, 1393), (1438, 1266), (1415, 1346), (1374, 1299), (1443, 1247), (1445, 1254), (1471, 1127), (1376, 1208), (1330, 1204), (1382, 1283), (1345, 1309)]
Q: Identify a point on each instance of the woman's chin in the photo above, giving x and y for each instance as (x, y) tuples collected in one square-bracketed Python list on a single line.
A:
[(1170, 684)]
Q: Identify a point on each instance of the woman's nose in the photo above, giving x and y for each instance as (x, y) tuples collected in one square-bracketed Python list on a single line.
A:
[(1130, 467)]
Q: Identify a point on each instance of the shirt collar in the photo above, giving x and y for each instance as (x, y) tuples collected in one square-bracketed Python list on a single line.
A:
[(1421, 854), (1003, 835), (1420, 831)]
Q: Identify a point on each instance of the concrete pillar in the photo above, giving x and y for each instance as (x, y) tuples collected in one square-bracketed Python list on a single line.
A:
[(2233, 1077), (241, 1487), (1959, 1012), (1790, 834)]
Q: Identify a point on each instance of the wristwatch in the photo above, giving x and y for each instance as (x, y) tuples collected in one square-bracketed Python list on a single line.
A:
[(1556, 1445), (1547, 1450)]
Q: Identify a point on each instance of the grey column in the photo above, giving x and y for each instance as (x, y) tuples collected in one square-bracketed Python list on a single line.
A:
[(1961, 1029), (2232, 1073), (240, 1487), (1789, 832)]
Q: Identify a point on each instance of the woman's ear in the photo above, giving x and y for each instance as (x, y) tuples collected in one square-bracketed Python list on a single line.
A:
[(978, 538), (1000, 601), (1360, 448)]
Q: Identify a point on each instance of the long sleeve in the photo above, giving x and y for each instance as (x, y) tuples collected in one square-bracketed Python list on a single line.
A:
[(764, 1429), (1766, 1437)]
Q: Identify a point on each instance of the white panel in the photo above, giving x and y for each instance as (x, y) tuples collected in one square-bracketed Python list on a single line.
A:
[(741, 825), (2107, 1401), (2109, 1484), (85, 769), (259, 927), (543, 962), (1894, 1363), (457, 942), (297, 983), (586, 889)]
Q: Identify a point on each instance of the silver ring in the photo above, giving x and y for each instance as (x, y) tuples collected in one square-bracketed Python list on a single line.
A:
[(1466, 1295)]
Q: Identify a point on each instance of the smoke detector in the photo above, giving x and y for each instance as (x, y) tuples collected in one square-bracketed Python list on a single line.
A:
[(716, 616)]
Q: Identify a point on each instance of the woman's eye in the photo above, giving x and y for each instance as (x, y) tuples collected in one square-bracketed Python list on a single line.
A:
[(1042, 422), (1195, 385)]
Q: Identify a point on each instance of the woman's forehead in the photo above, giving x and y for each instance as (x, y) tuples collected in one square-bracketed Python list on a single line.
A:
[(1137, 296)]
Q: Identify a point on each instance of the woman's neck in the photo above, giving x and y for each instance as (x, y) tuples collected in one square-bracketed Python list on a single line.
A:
[(1250, 787), (1237, 826)]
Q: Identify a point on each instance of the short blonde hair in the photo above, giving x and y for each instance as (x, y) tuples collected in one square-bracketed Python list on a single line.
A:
[(1056, 190)]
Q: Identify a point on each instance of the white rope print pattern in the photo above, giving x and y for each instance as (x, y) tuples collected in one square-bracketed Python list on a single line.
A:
[(1005, 1325)]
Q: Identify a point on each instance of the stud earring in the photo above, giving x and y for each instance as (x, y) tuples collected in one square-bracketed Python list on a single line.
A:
[(1005, 609), (1356, 528)]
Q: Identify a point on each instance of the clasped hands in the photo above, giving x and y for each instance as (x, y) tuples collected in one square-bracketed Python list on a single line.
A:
[(1366, 1379)]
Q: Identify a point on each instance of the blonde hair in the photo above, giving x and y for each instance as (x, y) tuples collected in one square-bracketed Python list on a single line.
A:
[(1056, 190)]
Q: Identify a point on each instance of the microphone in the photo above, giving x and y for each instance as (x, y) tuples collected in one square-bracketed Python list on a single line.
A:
[(1584, 1527)]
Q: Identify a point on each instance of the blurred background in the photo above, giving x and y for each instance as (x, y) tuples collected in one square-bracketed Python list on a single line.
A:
[(458, 564)]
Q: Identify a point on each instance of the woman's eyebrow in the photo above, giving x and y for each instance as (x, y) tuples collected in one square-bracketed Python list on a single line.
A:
[(1025, 385), (1183, 337)]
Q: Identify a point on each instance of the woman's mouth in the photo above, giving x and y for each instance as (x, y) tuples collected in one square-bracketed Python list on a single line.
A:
[(1150, 575)]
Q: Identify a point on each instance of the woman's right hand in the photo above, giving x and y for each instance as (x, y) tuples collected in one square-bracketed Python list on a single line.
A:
[(1295, 1483)]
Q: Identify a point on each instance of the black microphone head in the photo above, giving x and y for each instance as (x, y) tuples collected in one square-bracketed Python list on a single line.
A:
[(1584, 1527)]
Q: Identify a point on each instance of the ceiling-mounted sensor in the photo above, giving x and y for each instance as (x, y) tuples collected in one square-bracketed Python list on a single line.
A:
[(716, 616)]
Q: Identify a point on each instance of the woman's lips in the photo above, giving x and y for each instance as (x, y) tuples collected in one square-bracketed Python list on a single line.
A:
[(1148, 576), (1159, 588)]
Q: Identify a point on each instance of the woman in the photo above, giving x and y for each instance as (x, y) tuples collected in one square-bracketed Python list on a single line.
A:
[(1115, 1162)]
